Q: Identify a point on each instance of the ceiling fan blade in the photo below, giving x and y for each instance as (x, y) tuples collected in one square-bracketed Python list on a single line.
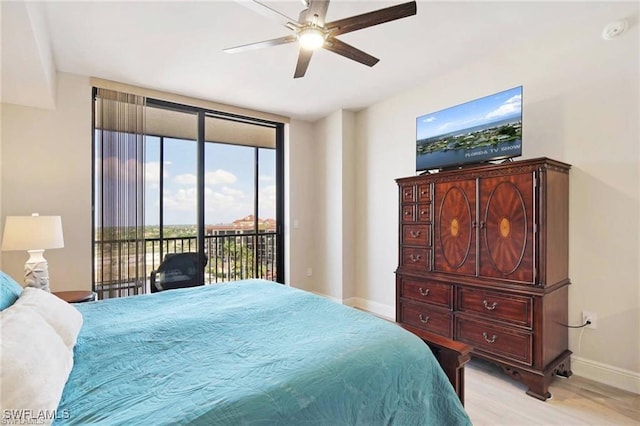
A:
[(348, 51), (261, 44), (303, 62), (318, 9), (370, 19), (266, 10)]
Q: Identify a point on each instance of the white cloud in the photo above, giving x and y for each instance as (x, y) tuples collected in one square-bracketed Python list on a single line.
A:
[(509, 107), (265, 178), (267, 198), (186, 179), (218, 177), (223, 203), (429, 119), (233, 192), (152, 172), (210, 178), (182, 199)]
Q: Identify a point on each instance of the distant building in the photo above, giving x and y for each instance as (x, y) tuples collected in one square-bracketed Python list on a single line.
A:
[(246, 236), (241, 226)]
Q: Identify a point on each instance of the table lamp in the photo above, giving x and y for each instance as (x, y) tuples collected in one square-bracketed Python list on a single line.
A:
[(35, 234)]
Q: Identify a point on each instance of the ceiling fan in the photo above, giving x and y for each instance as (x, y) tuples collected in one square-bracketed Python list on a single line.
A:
[(312, 32)]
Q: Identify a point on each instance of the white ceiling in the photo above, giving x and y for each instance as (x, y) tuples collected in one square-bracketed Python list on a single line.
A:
[(177, 47)]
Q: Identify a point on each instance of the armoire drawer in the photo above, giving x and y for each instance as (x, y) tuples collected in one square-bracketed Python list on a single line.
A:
[(424, 192), (418, 259), (427, 292), (423, 213), (425, 317), (501, 341), (409, 213), (416, 235), (516, 310), (408, 193)]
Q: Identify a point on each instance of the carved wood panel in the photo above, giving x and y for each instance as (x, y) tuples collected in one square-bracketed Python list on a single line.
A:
[(455, 245), (506, 227)]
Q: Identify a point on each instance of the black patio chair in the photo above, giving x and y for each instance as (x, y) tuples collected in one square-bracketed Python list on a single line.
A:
[(178, 270)]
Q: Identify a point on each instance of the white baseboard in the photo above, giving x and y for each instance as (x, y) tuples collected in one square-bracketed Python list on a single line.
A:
[(379, 309), (609, 375)]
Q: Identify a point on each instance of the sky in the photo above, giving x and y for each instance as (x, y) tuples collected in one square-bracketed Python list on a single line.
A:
[(470, 114), (229, 182)]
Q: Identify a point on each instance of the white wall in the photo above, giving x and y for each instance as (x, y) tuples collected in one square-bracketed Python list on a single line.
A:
[(580, 106), (46, 168)]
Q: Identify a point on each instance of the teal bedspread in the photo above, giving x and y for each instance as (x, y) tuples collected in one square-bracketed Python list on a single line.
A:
[(250, 353)]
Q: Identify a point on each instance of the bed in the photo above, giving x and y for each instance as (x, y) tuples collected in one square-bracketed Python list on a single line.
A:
[(249, 352)]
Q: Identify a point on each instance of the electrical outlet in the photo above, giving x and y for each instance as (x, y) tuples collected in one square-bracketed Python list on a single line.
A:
[(309, 271), (591, 317)]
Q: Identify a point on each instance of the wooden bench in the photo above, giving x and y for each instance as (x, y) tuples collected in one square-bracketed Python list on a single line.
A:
[(451, 355)]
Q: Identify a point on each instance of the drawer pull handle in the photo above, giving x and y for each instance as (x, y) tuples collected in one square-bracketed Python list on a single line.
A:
[(424, 320), (423, 212), (415, 234), (489, 308), (493, 338), (423, 192), (407, 213), (415, 257), (424, 292)]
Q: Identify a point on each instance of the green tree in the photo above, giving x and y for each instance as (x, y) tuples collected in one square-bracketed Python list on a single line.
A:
[(240, 258)]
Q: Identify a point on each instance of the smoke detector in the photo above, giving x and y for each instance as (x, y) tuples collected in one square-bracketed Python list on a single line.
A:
[(614, 29)]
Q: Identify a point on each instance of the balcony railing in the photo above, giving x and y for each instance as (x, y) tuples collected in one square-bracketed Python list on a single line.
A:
[(229, 258)]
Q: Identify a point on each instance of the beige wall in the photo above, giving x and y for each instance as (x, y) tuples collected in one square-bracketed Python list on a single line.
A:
[(46, 168), (301, 204), (581, 97), (334, 232)]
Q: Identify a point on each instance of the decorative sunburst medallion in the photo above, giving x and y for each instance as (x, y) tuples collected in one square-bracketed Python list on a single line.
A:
[(455, 227), (504, 227), (506, 233)]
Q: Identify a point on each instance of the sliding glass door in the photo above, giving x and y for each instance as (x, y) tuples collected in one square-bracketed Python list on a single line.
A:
[(240, 200), (212, 185)]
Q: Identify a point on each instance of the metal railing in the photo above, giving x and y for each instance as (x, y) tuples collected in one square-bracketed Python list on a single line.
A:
[(229, 257)]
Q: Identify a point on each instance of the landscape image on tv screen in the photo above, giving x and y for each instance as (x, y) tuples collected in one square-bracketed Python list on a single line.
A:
[(484, 129)]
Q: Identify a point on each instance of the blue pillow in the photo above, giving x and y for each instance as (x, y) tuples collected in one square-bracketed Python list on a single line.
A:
[(9, 291)]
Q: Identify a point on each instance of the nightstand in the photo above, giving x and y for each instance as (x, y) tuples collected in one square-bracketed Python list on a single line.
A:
[(77, 296)]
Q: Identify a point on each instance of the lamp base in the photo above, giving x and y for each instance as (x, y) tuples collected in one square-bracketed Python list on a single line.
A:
[(36, 271)]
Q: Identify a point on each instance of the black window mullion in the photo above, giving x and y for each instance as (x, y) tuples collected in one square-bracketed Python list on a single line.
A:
[(200, 190), (280, 277), (256, 231), (161, 200)]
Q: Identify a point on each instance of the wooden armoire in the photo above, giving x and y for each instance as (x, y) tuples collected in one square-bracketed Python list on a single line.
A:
[(483, 259)]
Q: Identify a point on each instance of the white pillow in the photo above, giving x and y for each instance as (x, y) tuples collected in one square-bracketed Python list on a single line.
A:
[(62, 316), (34, 363)]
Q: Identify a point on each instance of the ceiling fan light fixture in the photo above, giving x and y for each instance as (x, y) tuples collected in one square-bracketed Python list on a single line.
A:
[(311, 38)]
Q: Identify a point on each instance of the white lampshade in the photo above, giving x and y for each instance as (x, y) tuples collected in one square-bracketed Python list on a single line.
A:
[(32, 233)]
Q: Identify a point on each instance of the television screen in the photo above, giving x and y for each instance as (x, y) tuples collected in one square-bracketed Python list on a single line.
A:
[(485, 129)]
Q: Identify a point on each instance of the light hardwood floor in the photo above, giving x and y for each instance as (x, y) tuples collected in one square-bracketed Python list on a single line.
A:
[(492, 398)]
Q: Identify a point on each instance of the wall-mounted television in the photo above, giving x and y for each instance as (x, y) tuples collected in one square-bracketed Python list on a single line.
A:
[(485, 129)]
